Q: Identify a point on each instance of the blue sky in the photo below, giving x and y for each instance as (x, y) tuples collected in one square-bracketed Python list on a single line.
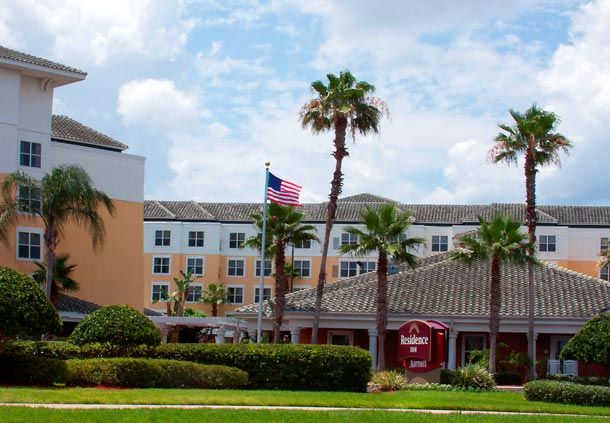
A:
[(209, 90)]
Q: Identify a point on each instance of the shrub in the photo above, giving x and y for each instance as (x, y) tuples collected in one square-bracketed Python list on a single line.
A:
[(389, 380), (53, 349), (152, 373), (24, 308), (591, 344), (507, 378), (31, 370), (587, 380), (446, 376), (473, 376), (566, 393), (116, 325)]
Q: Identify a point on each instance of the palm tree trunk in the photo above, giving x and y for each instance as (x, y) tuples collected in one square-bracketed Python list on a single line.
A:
[(280, 290), (214, 310), (494, 311), (50, 240), (382, 307), (336, 184), (532, 221)]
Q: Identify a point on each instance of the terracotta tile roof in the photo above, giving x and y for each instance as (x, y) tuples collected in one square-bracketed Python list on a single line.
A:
[(439, 287), (64, 128), (18, 56), (69, 304)]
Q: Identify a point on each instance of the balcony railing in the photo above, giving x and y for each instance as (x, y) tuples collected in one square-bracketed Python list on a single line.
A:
[(563, 367)]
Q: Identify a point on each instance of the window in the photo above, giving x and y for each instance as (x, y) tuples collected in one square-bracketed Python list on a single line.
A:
[(196, 238), (471, 343), (266, 293), (161, 265), (235, 294), (353, 268), (236, 239), (303, 244), (349, 238), (30, 154), (28, 245), (159, 291), (29, 199), (195, 265), (340, 337), (604, 273), (267, 268), (303, 267), (162, 238), (547, 243), (603, 244), (440, 243), (195, 292), (235, 267)]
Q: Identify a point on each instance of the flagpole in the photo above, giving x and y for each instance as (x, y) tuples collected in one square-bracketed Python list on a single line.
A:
[(259, 331)]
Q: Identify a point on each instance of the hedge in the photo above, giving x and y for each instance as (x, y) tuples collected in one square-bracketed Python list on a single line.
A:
[(284, 366), (152, 373), (507, 378), (31, 370), (566, 393), (586, 380)]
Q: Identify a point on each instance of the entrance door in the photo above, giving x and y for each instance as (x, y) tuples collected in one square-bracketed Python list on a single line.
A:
[(557, 343)]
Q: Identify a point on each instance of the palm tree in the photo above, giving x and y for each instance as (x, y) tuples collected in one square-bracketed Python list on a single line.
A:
[(384, 234), (498, 241), (62, 276), (215, 295), (67, 196), (604, 261), (284, 226), (532, 136), (344, 104)]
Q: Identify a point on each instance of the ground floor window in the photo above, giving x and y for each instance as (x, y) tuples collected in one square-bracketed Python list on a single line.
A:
[(266, 293), (235, 294), (195, 292), (340, 337), (159, 291), (471, 343)]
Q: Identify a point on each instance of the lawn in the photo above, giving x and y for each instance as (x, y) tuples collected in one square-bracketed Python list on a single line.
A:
[(20, 414), (489, 401)]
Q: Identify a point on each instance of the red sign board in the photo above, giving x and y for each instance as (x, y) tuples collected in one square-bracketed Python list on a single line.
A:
[(415, 340)]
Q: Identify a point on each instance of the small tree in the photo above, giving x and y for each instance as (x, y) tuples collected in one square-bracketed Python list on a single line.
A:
[(591, 344), (24, 309), (215, 295), (62, 276)]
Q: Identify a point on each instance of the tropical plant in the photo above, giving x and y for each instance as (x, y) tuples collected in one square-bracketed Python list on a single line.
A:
[(498, 241), (191, 312), (67, 196), (604, 261), (62, 276), (214, 295), (532, 135), (292, 273), (389, 380), (591, 344), (473, 376), (383, 234), (284, 226), (23, 307), (341, 106)]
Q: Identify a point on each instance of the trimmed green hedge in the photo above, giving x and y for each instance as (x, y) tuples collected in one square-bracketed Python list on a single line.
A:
[(30, 370), (566, 393), (284, 366), (152, 373)]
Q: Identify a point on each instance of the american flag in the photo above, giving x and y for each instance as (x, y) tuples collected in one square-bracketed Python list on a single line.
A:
[(283, 192)]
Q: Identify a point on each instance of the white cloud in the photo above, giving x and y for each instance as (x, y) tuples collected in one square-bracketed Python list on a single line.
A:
[(213, 67)]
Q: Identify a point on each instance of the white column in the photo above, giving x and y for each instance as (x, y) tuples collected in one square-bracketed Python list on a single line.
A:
[(451, 354), (220, 335), (295, 333), (373, 346)]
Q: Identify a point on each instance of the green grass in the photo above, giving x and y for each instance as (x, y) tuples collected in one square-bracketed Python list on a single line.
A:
[(21, 414), (490, 401)]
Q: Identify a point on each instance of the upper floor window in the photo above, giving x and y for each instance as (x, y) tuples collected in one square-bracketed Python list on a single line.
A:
[(29, 199), (353, 268), (547, 243), (196, 238), (30, 154), (161, 265), (303, 244), (159, 291), (349, 238), (267, 267), (236, 239), (603, 244), (235, 267), (162, 238), (303, 267), (195, 265), (440, 243), (29, 246), (235, 294), (266, 293), (195, 292)]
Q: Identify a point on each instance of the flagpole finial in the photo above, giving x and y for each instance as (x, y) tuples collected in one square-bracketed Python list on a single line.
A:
[(267, 163)]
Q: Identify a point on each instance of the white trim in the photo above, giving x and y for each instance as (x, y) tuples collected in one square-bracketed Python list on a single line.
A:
[(161, 256), (310, 266), (196, 284), (240, 259), (229, 240), (348, 333), (186, 267), (152, 284), (31, 230), (256, 262), (243, 292)]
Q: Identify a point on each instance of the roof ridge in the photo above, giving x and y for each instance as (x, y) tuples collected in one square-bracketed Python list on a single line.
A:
[(164, 208), (574, 272), (200, 207)]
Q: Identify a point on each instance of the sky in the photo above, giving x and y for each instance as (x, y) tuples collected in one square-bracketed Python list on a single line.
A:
[(209, 90)]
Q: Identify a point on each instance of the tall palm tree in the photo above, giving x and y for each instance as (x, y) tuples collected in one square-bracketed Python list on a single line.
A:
[(384, 229), (62, 276), (344, 104), (533, 136), (284, 226), (67, 196), (215, 295), (498, 241)]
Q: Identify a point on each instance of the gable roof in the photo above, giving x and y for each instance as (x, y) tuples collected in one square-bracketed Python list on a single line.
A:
[(66, 129), (439, 287), (18, 56), (69, 304)]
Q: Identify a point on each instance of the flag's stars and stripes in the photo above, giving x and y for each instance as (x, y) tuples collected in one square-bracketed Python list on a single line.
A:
[(283, 192)]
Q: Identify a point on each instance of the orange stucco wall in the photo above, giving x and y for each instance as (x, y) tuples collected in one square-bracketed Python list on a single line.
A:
[(585, 267)]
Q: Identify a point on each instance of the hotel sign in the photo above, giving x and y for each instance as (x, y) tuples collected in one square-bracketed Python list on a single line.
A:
[(421, 345)]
